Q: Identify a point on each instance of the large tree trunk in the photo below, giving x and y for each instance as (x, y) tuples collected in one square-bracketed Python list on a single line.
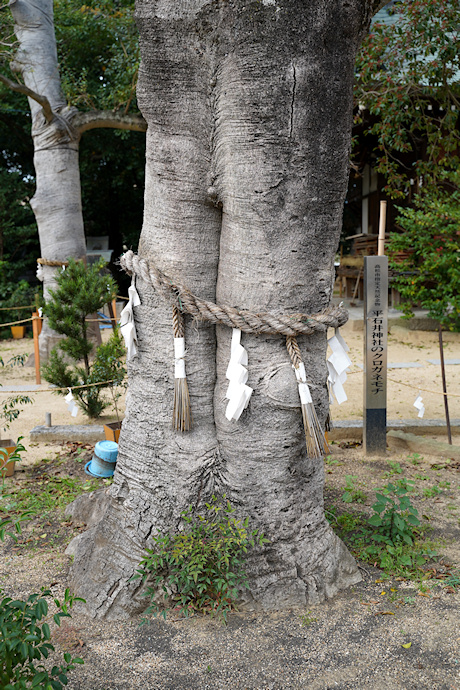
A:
[(249, 110), (57, 200)]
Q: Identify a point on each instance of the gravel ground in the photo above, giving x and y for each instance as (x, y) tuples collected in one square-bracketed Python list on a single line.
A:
[(353, 641)]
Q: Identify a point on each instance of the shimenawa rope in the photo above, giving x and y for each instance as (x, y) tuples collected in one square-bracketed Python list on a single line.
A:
[(183, 301)]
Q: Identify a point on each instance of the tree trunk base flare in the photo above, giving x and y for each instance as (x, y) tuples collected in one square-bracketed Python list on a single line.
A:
[(107, 555), (249, 112)]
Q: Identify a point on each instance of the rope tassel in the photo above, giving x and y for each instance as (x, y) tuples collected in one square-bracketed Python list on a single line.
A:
[(182, 414), (317, 446)]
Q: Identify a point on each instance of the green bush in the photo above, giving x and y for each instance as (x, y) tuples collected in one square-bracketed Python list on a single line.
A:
[(394, 516), (430, 273), (8, 521), (80, 292), (25, 641), (10, 408), (200, 569), (393, 524)]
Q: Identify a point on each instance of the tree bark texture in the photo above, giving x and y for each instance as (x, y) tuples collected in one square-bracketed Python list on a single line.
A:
[(57, 199), (249, 108)]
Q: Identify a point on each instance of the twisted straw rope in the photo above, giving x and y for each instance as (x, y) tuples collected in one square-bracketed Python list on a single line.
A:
[(294, 351), (178, 323), (54, 263), (51, 262), (181, 297)]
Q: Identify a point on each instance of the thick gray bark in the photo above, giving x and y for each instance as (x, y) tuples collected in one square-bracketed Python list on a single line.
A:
[(249, 107)]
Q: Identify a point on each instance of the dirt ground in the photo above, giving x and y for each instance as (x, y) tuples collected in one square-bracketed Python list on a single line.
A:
[(353, 641)]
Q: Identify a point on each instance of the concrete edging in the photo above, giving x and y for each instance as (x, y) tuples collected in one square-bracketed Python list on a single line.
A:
[(400, 440), (352, 430), (84, 433)]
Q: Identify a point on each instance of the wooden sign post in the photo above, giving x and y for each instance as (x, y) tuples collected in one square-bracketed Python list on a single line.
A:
[(375, 346)]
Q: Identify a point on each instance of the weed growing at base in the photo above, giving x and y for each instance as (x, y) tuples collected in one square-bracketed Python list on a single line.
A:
[(390, 537), (352, 494), (200, 569), (46, 495)]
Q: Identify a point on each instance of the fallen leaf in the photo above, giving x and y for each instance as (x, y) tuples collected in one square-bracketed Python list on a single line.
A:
[(422, 594), (384, 613), (382, 593), (379, 580), (393, 589), (407, 645)]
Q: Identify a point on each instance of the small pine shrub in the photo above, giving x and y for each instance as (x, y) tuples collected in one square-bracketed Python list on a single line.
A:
[(80, 292)]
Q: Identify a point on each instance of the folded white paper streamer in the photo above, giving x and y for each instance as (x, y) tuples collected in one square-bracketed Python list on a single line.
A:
[(71, 404), (419, 405), (238, 394), (337, 365), (179, 361), (127, 326), (304, 391), (40, 273)]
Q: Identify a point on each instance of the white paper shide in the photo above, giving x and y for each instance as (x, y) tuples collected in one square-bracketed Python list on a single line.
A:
[(71, 404), (337, 366), (418, 404), (127, 326), (238, 393), (179, 358), (304, 391)]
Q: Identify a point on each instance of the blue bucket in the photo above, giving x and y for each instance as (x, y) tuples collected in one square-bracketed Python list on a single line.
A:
[(104, 459)]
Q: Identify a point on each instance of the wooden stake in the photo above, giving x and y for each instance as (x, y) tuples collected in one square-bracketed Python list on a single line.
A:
[(382, 224), (35, 330), (444, 386), (113, 313)]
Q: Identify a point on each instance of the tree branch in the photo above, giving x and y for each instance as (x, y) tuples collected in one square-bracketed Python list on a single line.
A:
[(21, 88), (108, 118)]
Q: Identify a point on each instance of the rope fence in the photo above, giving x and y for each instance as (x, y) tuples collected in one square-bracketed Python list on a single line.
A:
[(410, 385), (16, 323), (65, 388), (29, 306)]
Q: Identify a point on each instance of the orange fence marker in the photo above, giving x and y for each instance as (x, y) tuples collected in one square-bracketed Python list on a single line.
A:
[(36, 328)]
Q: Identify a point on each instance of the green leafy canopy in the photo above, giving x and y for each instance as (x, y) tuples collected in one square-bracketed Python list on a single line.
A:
[(408, 79), (430, 272)]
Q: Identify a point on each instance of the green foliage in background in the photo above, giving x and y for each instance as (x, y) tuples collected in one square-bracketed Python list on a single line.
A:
[(98, 57), (18, 246), (429, 275), (99, 72), (201, 569), (408, 78), (10, 408)]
